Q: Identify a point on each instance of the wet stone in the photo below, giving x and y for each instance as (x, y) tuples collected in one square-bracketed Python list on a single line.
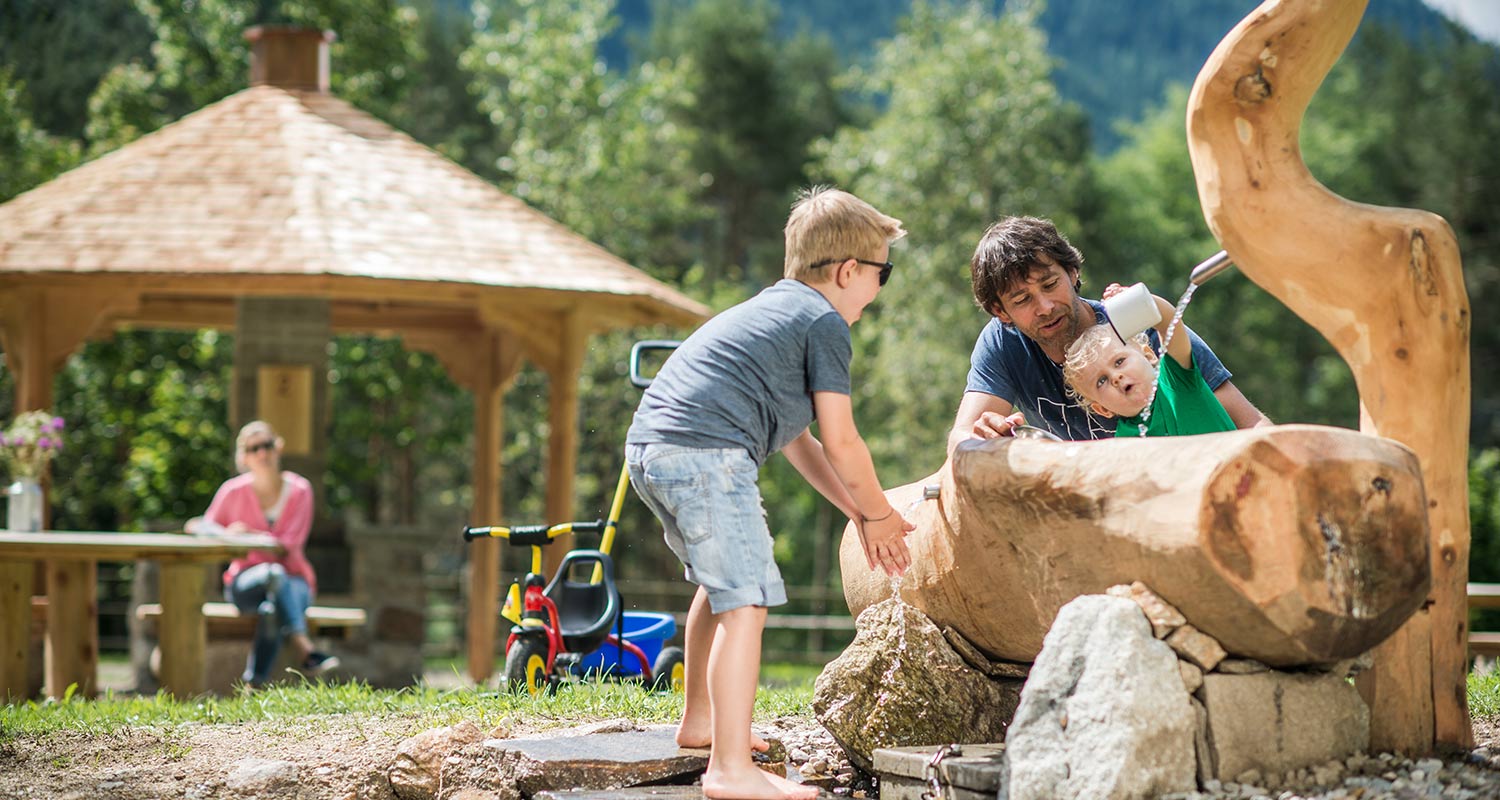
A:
[(599, 761)]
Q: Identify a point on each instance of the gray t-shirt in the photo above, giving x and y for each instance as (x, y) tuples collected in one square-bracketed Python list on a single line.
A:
[(746, 378)]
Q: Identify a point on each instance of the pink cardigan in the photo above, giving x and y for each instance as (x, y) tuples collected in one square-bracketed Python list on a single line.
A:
[(236, 502)]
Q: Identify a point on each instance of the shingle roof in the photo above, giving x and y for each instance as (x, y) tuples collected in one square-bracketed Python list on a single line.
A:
[(271, 181)]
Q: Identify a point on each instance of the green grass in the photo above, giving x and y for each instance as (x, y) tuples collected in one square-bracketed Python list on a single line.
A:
[(1484, 693), (789, 693)]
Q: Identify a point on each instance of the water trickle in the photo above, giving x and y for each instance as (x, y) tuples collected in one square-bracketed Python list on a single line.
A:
[(1182, 305)]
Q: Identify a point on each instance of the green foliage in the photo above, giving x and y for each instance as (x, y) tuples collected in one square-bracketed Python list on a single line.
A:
[(148, 438), (757, 105), (31, 155), (200, 55), (599, 152), (972, 130)]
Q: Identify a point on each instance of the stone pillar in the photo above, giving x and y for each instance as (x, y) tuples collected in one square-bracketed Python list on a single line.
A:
[(285, 340), (388, 568)]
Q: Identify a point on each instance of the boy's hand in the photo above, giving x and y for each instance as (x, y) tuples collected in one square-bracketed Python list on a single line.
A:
[(884, 542)]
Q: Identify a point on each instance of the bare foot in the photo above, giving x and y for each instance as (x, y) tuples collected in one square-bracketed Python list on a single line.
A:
[(701, 736), (752, 785)]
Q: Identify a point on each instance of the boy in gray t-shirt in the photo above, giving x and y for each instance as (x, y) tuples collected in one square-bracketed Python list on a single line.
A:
[(745, 385)]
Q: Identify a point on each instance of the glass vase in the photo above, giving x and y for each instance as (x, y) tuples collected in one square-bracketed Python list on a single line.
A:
[(23, 506)]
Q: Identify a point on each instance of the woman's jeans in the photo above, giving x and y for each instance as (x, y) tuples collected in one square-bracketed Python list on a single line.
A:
[(280, 601)]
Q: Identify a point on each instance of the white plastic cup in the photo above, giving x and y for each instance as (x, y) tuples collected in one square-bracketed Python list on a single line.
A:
[(1132, 311)]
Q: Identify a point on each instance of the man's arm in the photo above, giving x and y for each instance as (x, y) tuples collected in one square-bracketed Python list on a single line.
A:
[(982, 416), (1241, 410)]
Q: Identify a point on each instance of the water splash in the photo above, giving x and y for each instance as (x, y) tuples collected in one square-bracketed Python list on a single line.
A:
[(1182, 305)]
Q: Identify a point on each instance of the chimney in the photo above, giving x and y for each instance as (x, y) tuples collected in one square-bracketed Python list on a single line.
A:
[(289, 56)]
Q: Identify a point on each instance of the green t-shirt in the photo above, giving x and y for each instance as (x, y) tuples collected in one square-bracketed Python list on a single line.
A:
[(1184, 405)]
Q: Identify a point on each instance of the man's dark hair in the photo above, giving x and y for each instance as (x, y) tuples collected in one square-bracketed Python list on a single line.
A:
[(1010, 251)]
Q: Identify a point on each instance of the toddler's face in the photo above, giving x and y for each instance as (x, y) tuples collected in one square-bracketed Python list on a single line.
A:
[(1118, 381)]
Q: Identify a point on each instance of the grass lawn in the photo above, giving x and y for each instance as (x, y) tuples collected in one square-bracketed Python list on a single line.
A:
[(786, 691)]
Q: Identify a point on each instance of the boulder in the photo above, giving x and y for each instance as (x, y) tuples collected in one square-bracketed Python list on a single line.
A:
[(900, 684), (1104, 713), (416, 773)]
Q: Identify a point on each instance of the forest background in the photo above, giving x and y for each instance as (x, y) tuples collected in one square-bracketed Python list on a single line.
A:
[(676, 133)]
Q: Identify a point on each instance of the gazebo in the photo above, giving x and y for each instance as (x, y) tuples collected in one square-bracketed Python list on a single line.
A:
[(283, 206)]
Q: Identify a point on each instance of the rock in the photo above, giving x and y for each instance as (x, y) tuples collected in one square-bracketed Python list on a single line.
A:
[(1203, 751), (416, 772), (900, 684), (1197, 647), (1278, 721), (1104, 713), (260, 778), (1163, 616), (1192, 677), (620, 725), (1241, 666), (971, 656), (524, 767)]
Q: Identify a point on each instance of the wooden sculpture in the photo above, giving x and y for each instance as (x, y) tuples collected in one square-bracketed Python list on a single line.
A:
[(1291, 545), (1385, 286)]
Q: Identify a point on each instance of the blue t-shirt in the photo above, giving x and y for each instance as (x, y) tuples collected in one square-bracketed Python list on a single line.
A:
[(746, 378), (1009, 365)]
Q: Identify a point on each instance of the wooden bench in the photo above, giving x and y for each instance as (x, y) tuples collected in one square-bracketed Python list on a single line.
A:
[(229, 635), (1484, 643), (226, 622)]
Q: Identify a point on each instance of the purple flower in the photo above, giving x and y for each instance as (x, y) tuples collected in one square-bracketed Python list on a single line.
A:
[(56, 424), (44, 443)]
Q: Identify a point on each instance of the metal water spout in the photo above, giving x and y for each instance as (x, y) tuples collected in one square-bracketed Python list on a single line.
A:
[(1216, 263)]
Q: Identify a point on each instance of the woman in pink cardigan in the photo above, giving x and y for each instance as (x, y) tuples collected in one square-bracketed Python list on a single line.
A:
[(279, 588)]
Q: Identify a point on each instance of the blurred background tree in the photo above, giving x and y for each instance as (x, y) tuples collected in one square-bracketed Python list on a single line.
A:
[(676, 133)]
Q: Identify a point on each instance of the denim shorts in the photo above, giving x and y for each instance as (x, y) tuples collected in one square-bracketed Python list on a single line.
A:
[(712, 518)]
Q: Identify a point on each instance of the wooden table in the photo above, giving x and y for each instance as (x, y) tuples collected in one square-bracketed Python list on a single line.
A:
[(72, 639)]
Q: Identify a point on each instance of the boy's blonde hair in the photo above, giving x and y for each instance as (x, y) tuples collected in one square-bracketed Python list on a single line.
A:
[(828, 224), (1085, 350)]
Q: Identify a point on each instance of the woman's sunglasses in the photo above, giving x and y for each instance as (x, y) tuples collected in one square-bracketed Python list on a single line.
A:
[(258, 446)]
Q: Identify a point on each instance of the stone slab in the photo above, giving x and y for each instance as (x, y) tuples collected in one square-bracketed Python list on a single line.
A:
[(629, 747), (1276, 721), (599, 762), (693, 792), (977, 768)]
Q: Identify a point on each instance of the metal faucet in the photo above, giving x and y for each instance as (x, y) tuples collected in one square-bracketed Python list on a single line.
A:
[(1216, 263)]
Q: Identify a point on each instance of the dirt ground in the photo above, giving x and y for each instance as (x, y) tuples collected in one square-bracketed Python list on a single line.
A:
[(335, 758)]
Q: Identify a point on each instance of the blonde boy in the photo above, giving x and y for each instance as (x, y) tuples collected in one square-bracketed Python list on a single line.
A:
[(1115, 379), (745, 385)]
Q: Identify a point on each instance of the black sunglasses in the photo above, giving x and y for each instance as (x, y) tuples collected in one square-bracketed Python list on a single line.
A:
[(258, 446), (885, 266)]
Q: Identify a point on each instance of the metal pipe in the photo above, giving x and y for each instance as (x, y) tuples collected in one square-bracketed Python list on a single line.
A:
[(1216, 263)]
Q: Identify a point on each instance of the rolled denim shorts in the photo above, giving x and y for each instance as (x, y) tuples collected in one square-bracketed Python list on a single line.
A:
[(712, 519)]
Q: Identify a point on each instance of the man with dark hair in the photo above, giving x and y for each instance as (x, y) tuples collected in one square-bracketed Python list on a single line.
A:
[(1027, 276)]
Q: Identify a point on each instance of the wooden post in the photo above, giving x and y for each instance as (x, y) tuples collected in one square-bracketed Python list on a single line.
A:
[(1385, 286), (15, 629), (562, 444), (72, 651), (484, 554), (182, 632)]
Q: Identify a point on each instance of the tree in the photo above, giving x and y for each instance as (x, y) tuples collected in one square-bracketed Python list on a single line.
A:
[(972, 130), (758, 103), (31, 155)]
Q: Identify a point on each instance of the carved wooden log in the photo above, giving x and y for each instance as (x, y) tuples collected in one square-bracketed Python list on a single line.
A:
[(1384, 285), (1291, 545)]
